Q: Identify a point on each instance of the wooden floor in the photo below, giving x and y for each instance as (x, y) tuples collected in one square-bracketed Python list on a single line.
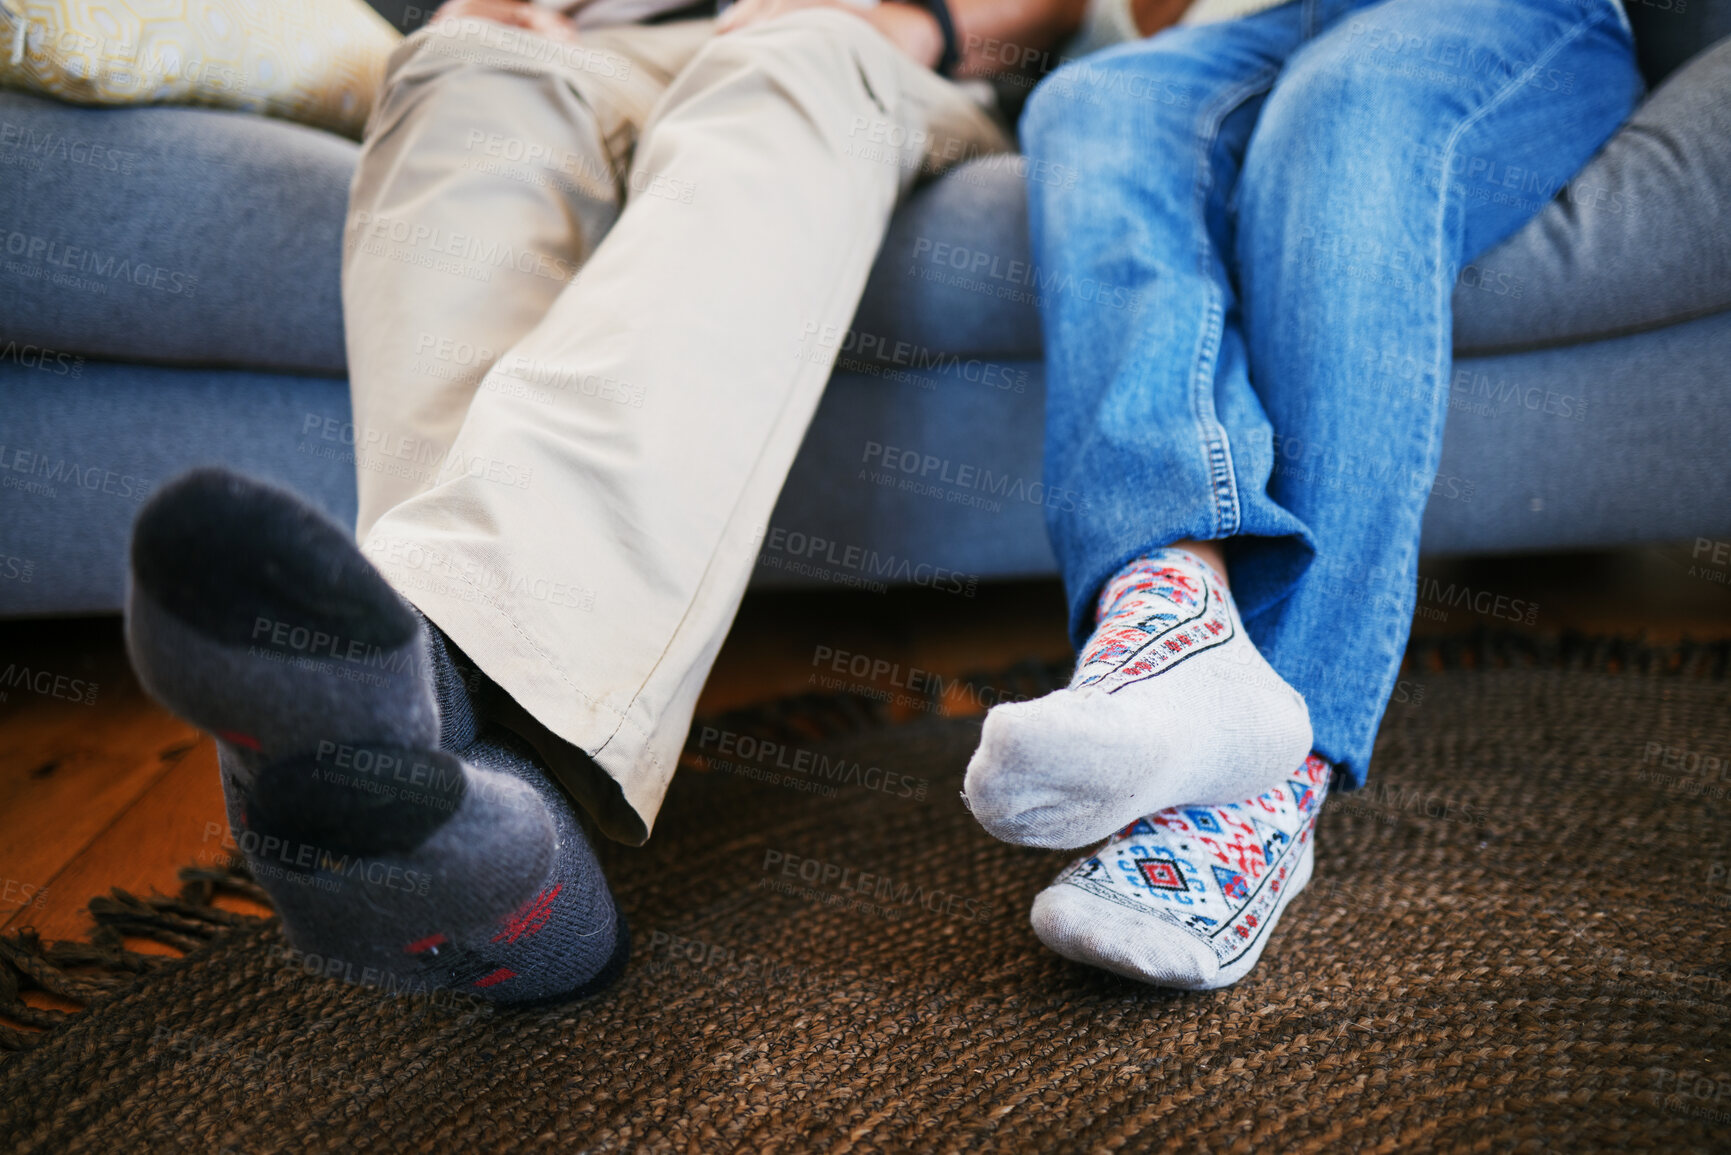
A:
[(100, 788)]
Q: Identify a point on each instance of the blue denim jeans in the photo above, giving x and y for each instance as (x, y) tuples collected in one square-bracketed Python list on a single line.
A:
[(1247, 235)]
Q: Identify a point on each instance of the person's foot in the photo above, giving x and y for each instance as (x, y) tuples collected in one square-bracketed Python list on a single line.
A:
[(1170, 703), (1188, 897), (404, 844)]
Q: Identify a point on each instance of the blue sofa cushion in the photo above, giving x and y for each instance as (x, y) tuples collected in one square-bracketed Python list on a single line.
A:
[(955, 273), (183, 235), (205, 238)]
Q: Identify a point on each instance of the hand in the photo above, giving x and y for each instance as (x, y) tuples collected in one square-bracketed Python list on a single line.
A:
[(909, 27), (1150, 16), (514, 13)]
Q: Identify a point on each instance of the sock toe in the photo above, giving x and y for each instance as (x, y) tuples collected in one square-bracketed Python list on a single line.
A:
[(1088, 929), (1170, 704), (1189, 897), (1036, 779)]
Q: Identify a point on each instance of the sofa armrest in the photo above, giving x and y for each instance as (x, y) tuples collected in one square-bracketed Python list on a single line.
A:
[(1641, 238)]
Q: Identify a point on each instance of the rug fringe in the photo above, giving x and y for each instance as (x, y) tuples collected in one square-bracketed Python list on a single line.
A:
[(86, 972)]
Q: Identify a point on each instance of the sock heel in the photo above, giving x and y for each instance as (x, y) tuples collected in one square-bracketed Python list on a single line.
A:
[(255, 617)]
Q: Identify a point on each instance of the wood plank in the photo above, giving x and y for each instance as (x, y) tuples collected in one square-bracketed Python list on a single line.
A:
[(178, 821), (80, 742), (61, 785)]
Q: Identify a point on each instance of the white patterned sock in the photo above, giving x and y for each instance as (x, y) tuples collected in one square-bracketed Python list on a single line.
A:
[(1188, 897), (1170, 703)]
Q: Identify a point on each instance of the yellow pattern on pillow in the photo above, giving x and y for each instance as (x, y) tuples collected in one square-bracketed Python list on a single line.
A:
[(315, 61)]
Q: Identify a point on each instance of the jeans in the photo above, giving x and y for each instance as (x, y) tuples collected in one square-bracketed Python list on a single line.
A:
[(1248, 233)]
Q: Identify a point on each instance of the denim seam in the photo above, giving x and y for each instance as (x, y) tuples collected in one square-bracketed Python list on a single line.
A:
[(1216, 448)]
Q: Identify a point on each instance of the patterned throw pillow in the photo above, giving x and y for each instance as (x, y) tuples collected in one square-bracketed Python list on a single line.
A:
[(315, 61)]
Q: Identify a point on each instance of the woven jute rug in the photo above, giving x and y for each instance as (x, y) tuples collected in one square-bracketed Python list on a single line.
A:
[(1516, 940)]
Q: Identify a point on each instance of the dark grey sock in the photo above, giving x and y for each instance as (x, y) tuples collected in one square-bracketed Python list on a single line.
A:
[(404, 842)]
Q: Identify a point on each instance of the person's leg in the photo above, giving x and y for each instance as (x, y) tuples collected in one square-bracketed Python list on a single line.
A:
[(1355, 210), (399, 835), (400, 842), (494, 164), (464, 813), (1146, 375), (1409, 138), (629, 447)]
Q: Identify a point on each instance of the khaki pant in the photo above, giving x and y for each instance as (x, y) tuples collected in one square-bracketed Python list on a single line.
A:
[(592, 295)]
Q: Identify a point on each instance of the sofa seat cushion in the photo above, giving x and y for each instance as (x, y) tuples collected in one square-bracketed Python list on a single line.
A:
[(1585, 446)]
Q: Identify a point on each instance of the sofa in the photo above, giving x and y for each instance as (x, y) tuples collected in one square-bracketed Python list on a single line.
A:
[(169, 297)]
